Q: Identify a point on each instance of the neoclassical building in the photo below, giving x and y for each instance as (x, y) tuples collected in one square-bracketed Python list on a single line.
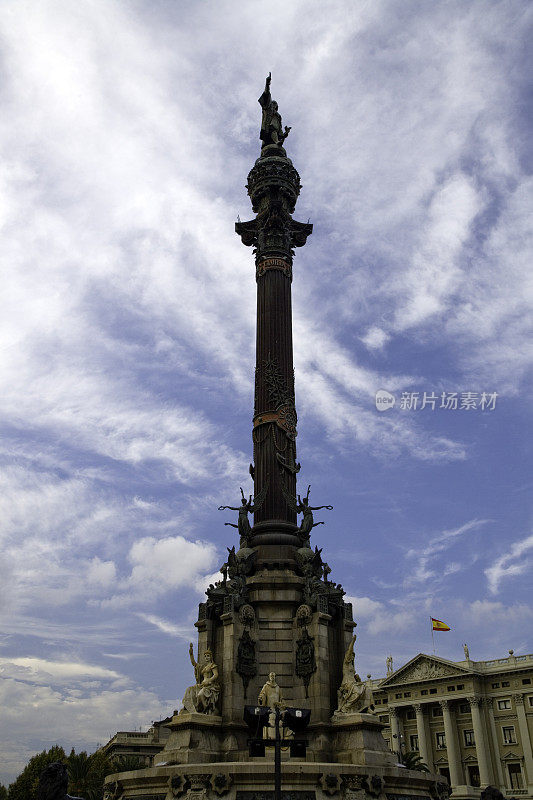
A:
[(472, 721)]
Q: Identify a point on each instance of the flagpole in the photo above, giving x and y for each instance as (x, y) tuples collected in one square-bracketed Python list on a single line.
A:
[(432, 634)]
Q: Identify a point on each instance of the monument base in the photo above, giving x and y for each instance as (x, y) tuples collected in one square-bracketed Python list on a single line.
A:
[(254, 780)]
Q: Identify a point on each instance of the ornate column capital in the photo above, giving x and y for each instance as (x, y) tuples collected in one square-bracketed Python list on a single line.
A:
[(393, 712), (488, 702), (519, 699), (475, 701), (418, 708), (445, 705)]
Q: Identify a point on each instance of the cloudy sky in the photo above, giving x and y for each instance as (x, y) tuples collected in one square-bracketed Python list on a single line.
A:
[(127, 331)]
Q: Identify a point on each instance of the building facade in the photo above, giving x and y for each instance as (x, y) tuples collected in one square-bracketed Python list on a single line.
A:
[(144, 745), (472, 721)]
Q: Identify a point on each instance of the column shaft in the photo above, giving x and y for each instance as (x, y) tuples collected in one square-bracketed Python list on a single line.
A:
[(495, 745), (423, 748), (481, 742), (452, 747), (524, 736), (395, 731)]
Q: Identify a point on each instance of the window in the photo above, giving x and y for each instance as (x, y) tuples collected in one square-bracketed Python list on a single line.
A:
[(464, 708), (398, 695), (377, 702), (526, 681), (407, 694), (384, 718), (411, 714), (450, 688), (433, 691), (530, 701), (469, 738), (384, 699), (515, 776), (505, 683), (413, 742), (508, 734), (437, 712), (445, 771), (440, 739), (473, 776), (503, 704), (460, 686), (495, 685), (424, 691)]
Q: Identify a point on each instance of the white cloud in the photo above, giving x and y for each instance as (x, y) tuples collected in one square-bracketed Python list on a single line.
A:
[(165, 626), (42, 671), (517, 561), (375, 338), (429, 558), (380, 617)]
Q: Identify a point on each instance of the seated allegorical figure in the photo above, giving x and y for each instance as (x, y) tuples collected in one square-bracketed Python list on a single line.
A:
[(203, 696), (354, 695)]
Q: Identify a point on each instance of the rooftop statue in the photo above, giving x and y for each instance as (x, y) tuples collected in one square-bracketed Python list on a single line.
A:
[(203, 696), (354, 695), (271, 127), (53, 783)]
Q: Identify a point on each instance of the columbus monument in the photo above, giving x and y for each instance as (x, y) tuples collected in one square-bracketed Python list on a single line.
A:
[(274, 632)]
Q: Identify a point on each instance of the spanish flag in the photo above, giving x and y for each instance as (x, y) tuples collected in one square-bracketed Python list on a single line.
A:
[(438, 625)]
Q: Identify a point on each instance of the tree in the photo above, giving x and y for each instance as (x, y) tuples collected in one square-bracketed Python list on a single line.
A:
[(126, 763), (25, 786), (412, 760), (3, 792)]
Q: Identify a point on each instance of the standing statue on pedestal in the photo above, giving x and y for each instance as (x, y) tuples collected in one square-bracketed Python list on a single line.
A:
[(203, 696), (390, 668), (246, 507), (271, 127), (354, 695), (302, 507), (270, 696)]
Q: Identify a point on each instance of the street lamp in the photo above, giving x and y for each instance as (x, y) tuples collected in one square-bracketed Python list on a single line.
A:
[(295, 719)]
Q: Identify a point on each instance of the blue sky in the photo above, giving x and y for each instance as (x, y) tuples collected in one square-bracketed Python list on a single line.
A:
[(127, 331)]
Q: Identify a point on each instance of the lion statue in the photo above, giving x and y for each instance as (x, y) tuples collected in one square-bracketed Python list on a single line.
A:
[(53, 783)]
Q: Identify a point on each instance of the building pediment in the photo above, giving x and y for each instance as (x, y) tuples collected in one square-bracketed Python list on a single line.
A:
[(424, 668)]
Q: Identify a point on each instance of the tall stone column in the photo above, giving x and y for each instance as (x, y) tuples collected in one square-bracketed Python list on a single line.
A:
[(273, 186), (489, 703), (452, 746), (481, 742), (525, 738), (423, 747)]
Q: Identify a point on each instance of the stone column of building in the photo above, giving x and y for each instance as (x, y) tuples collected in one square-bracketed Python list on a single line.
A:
[(489, 703), (525, 737), (482, 751), (423, 748), (452, 746), (396, 734)]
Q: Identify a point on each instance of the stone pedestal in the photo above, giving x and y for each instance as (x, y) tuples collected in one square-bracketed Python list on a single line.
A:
[(358, 739), (195, 738)]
